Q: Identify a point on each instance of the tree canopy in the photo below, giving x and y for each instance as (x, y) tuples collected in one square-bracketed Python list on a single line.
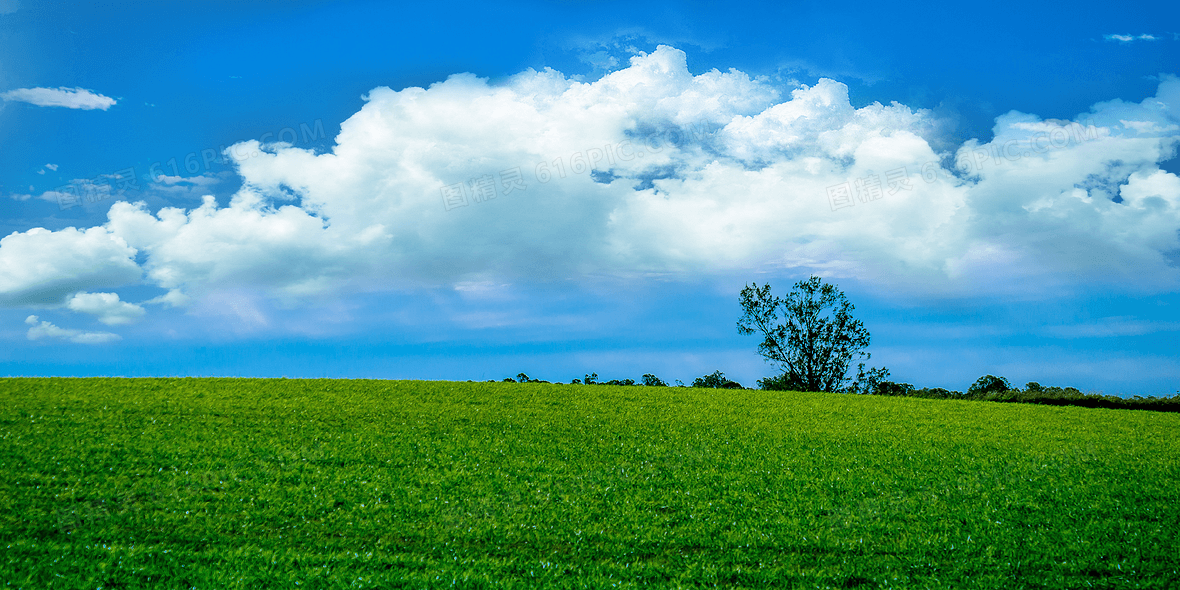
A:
[(810, 334)]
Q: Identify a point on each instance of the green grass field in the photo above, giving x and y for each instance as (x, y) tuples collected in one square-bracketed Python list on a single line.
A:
[(237, 483)]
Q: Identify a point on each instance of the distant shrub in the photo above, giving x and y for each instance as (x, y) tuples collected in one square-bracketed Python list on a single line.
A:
[(619, 382), (891, 388), (997, 389), (652, 381), (988, 385), (936, 393), (716, 381), (866, 382), (1071, 396), (782, 382)]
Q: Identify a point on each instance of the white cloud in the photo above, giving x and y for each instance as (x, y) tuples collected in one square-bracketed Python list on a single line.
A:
[(1130, 38), (72, 98), (80, 191), (42, 267), (42, 330), (107, 307), (87, 191), (599, 60), (51, 167), (57, 197), (248, 244), (712, 173), (173, 298), (202, 180), (1148, 127), (752, 194), (176, 188)]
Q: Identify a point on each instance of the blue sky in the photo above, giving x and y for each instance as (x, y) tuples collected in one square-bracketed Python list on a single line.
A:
[(302, 189)]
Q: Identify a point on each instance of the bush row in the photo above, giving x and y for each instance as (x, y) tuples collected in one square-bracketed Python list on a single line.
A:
[(987, 388), (717, 380), (998, 389)]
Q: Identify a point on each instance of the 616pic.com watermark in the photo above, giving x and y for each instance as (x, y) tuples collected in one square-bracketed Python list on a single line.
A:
[(485, 188), (969, 162)]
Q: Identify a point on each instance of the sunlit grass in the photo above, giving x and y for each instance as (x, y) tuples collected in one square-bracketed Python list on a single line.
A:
[(234, 483)]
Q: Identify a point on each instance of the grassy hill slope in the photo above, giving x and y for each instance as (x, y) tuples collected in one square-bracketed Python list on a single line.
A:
[(248, 483)]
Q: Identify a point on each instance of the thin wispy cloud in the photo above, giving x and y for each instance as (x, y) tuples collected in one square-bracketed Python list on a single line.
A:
[(1111, 327), (70, 98), (42, 330), (1131, 38)]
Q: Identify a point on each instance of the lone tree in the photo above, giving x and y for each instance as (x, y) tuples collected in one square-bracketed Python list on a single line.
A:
[(810, 334)]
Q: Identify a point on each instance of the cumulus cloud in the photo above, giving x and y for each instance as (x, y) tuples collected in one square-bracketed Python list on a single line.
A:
[(654, 171), (287, 250), (107, 307), (42, 268), (71, 98), (751, 191), (42, 330)]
